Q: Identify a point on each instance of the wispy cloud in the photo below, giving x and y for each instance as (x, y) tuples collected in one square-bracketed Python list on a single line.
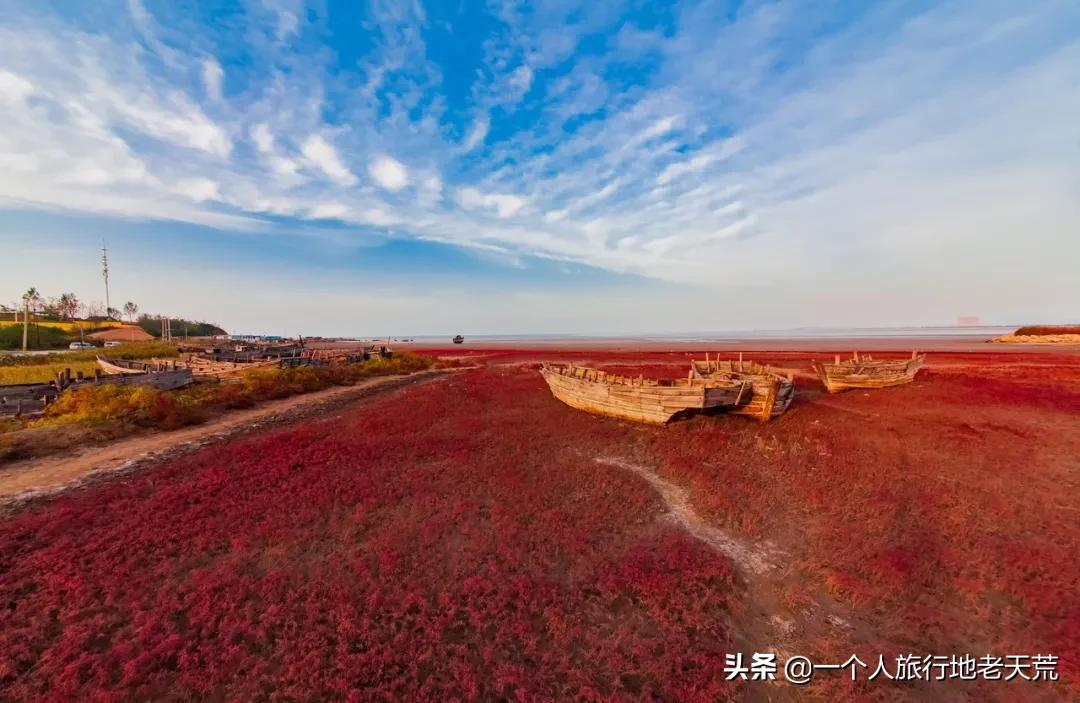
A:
[(322, 155), (771, 140), (212, 75)]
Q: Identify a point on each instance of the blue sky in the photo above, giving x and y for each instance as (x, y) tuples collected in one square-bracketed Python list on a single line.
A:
[(435, 167)]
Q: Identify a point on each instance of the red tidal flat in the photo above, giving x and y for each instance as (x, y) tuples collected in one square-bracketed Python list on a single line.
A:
[(455, 541)]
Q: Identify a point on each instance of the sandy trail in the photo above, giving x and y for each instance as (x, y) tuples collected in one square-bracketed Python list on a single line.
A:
[(33, 478), (764, 624), (757, 560)]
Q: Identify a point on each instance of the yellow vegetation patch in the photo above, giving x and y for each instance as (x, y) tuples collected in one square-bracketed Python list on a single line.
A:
[(43, 373), (68, 326)]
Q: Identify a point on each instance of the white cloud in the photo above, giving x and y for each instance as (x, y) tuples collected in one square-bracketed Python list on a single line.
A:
[(478, 133), (713, 153), (199, 189), (212, 75), (288, 25), (660, 127), (329, 211), (379, 217), (503, 204), (265, 144), (521, 79), (322, 155), (263, 138), (388, 172), (823, 163), (14, 88)]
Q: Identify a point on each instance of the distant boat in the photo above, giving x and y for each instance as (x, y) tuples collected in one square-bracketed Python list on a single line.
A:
[(459, 339), (865, 372), (641, 399)]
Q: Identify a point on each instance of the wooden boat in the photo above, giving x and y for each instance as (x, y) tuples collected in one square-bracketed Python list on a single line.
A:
[(772, 391), (208, 368), (866, 372), (641, 399), (127, 367), (119, 367), (166, 380)]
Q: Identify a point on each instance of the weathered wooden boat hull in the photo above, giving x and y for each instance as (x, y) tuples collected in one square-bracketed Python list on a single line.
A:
[(110, 368), (648, 402), (206, 368), (771, 393), (132, 367), (868, 373), (162, 380)]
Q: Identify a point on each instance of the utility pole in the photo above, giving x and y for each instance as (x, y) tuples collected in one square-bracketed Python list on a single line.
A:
[(25, 320), (30, 296), (105, 275)]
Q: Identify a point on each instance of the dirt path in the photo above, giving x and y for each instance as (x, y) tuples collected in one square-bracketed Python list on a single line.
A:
[(34, 478), (765, 623)]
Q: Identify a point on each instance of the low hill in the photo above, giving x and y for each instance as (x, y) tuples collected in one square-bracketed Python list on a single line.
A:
[(180, 327), (1042, 334)]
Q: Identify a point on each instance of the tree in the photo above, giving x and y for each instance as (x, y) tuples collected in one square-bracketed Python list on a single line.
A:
[(31, 298), (50, 308), (94, 310), (112, 313), (131, 310), (68, 306)]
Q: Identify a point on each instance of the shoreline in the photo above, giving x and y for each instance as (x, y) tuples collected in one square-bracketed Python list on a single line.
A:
[(822, 345)]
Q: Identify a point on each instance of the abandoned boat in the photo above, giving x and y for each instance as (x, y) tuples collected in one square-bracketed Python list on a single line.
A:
[(208, 368), (127, 367), (641, 399), (772, 391), (866, 372)]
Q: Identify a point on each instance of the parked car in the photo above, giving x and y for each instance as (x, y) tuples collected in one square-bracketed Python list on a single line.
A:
[(80, 345), (113, 343)]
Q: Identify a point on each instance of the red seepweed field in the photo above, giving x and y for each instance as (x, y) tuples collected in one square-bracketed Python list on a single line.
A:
[(473, 538)]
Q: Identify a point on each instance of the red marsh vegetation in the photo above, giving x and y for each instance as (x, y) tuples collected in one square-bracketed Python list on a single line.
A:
[(460, 540), (1043, 330)]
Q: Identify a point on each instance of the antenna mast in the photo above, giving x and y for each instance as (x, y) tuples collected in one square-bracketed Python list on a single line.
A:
[(105, 275)]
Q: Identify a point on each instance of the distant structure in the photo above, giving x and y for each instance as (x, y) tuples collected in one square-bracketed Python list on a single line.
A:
[(967, 321), (105, 275), (124, 333), (166, 329)]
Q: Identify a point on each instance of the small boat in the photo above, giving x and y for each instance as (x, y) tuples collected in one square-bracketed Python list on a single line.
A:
[(867, 372), (772, 391), (119, 367), (458, 339), (129, 367), (641, 399)]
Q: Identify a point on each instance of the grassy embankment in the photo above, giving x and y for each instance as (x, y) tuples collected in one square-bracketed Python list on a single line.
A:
[(42, 368), (49, 334), (100, 413)]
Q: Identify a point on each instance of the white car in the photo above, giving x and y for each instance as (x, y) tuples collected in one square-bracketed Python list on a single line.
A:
[(113, 343), (80, 345)]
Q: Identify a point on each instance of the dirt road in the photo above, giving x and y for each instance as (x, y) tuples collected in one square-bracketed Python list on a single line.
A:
[(25, 480)]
